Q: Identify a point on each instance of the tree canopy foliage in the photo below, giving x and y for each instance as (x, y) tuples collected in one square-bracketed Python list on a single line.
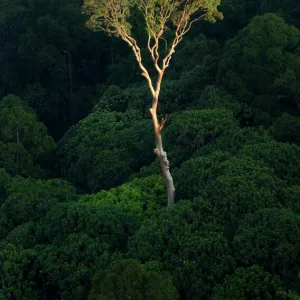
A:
[(82, 204)]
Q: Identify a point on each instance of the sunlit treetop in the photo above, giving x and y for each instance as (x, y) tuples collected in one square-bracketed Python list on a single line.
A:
[(112, 17)]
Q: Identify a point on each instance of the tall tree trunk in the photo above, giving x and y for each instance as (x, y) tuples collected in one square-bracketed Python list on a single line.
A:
[(159, 151), (164, 163)]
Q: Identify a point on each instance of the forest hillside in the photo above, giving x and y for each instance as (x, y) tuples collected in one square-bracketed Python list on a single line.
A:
[(83, 204)]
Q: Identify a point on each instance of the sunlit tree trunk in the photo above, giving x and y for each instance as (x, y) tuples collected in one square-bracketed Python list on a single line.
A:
[(159, 151), (164, 163)]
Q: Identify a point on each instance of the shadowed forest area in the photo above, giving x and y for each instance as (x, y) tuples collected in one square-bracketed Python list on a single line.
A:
[(83, 204)]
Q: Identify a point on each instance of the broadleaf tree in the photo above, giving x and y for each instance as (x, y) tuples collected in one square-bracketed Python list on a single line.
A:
[(166, 23)]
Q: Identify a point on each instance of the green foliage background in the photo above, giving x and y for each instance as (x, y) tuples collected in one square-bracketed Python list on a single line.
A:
[(82, 203)]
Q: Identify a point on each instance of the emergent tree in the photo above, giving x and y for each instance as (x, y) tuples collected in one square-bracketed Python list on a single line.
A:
[(166, 22)]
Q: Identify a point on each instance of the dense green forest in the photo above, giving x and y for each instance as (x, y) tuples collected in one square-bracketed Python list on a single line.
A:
[(83, 204)]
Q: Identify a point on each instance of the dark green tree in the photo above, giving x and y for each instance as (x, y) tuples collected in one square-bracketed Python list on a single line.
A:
[(141, 196), (128, 279), (17, 279), (189, 243), (260, 66), (250, 283), (190, 130), (76, 240), (30, 199), (286, 129), (271, 238), (24, 141), (283, 158), (105, 148)]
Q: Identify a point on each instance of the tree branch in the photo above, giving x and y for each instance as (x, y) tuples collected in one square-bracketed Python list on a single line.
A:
[(137, 52), (163, 121), (183, 27)]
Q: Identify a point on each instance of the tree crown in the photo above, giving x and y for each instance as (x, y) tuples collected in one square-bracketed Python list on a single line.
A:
[(177, 16), (112, 16)]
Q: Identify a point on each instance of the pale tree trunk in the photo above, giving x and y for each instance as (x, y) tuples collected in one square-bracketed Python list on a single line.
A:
[(159, 151), (164, 163)]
